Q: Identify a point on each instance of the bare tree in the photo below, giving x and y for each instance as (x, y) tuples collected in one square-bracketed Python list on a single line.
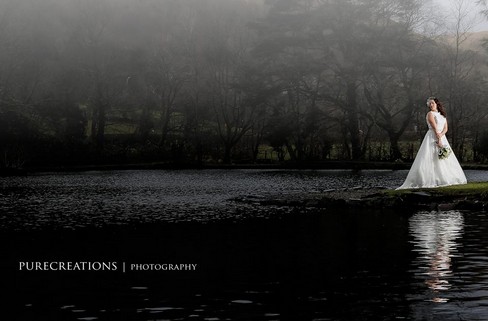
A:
[(460, 68)]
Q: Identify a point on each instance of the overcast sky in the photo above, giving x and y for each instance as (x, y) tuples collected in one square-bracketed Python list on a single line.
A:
[(447, 6)]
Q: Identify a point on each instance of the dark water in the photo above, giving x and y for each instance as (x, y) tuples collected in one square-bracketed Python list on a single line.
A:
[(253, 263)]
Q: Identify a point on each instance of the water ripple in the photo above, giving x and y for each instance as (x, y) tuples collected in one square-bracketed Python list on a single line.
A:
[(71, 200)]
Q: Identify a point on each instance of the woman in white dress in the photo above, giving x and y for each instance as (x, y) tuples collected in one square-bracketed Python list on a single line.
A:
[(435, 164)]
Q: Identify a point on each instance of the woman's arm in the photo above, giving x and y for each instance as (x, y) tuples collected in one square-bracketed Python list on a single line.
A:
[(431, 120), (442, 133), (444, 130)]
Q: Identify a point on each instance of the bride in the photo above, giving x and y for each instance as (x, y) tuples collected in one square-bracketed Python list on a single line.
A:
[(435, 164)]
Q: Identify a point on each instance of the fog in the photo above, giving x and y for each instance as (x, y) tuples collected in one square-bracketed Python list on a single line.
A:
[(449, 9), (222, 81)]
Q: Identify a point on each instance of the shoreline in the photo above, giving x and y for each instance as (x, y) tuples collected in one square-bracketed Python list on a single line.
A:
[(338, 165), (471, 196)]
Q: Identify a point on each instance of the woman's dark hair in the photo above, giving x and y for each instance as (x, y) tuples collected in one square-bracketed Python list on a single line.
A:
[(440, 108)]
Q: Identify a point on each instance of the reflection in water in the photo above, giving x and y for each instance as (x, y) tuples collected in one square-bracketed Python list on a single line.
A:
[(255, 262), (435, 235)]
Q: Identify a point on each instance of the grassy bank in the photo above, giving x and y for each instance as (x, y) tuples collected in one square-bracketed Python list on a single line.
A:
[(471, 190), (472, 196)]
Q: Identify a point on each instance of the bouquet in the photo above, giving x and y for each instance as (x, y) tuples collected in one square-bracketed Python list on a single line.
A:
[(444, 152)]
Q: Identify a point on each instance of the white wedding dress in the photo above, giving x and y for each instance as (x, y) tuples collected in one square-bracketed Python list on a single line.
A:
[(427, 169)]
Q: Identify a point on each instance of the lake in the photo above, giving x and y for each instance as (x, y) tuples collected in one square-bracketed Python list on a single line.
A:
[(252, 262)]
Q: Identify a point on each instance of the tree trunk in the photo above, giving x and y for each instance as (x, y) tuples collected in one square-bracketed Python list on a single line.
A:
[(353, 121), (101, 120), (227, 153), (395, 152), (165, 117)]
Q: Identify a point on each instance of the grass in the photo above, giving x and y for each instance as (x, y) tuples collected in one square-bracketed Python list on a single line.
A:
[(473, 189)]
